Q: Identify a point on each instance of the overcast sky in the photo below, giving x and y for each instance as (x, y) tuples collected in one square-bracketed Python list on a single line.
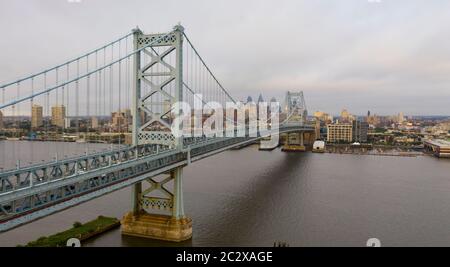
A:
[(389, 57)]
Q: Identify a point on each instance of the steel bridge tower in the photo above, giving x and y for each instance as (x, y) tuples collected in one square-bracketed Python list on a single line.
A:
[(295, 107), (158, 211)]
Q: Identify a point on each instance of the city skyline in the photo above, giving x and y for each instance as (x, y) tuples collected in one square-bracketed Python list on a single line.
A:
[(386, 57)]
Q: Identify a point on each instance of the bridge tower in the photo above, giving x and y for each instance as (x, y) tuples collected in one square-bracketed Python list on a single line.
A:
[(158, 210), (295, 108)]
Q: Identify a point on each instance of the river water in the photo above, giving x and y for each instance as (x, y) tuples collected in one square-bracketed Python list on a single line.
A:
[(253, 198)]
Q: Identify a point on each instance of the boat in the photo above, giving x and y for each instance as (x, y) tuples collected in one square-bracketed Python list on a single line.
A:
[(318, 147)]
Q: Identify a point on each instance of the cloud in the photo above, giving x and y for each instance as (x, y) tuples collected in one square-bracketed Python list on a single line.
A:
[(390, 56)]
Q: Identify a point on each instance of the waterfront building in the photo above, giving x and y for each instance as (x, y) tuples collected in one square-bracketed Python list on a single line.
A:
[(36, 116), (59, 116), (442, 128), (1, 120), (360, 130), (339, 132), (437, 147)]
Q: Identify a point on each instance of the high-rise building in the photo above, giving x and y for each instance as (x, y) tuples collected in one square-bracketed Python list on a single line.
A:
[(373, 120), (36, 116), (59, 116), (67, 123), (121, 119), (323, 117), (94, 122), (346, 116), (260, 98), (339, 132), (360, 129), (1, 120), (401, 118)]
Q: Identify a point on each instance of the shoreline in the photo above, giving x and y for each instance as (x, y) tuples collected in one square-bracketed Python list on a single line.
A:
[(404, 154), (80, 231)]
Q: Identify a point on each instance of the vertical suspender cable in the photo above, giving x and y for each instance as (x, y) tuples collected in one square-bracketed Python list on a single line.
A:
[(47, 123), (120, 95), (88, 111), (66, 105), (4, 150), (31, 120), (104, 83), (128, 78), (56, 93), (96, 97), (57, 105), (111, 93), (77, 94)]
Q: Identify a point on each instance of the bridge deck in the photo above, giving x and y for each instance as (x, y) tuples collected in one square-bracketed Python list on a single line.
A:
[(33, 192)]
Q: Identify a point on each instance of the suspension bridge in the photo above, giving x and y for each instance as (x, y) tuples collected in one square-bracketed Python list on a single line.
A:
[(146, 74)]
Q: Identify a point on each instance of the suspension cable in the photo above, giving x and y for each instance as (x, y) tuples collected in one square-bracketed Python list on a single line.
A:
[(87, 74), (65, 63), (204, 64)]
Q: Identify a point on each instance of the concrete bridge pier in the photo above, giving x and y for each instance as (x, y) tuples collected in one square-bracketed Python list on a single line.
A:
[(157, 212), (294, 142)]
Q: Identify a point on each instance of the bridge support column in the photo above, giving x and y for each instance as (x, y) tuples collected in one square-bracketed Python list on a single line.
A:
[(294, 143), (175, 227), (136, 193)]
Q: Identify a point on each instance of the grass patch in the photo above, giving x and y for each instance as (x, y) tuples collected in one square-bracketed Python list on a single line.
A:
[(79, 230)]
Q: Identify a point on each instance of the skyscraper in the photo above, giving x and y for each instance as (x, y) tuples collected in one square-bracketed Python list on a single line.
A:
[(36, 116), (401, 118), (59, 116), (94, 122), (260, 98), (121, 119), (346, 116)]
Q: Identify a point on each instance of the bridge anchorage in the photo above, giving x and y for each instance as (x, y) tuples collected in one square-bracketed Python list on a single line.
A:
[(167, 69)]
